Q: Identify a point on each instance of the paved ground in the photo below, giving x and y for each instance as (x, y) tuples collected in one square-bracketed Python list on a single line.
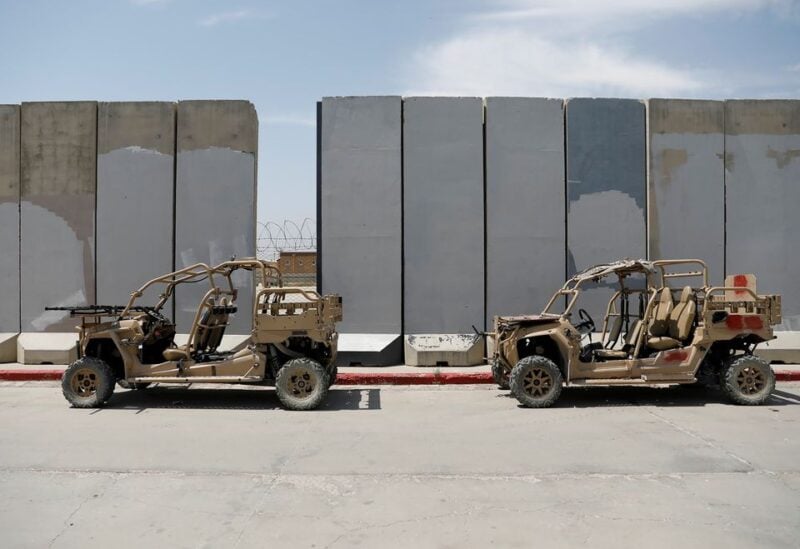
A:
[(398, 467)]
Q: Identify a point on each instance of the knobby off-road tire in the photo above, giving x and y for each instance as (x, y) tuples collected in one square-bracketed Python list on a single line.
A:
[(536, 382), (500, 376), (747, 380), (333, 372), (88, 383), (302, 384)]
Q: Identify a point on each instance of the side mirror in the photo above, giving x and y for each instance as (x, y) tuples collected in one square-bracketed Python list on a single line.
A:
[(719, 316)]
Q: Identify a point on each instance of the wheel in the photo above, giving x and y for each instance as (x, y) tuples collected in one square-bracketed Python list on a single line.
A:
[(88, 383), (125, 384), (500, 375), (536, 382), (333, 372), (302, 384), (748, 380)]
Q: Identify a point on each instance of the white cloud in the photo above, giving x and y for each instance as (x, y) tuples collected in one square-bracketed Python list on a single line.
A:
[(148, 2), (226, 17), (623, 10), (567, 48), (519, 62)]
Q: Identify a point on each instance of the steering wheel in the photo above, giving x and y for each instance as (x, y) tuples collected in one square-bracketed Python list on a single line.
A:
[(587, 324)]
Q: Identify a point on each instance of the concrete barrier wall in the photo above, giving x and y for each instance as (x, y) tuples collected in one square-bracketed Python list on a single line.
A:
[(361, 247), (9, 219), (525, 209), (215, 198), (443, 215), (762, 175), (606, 187), (57, 209), (135, 186), (687, 182)]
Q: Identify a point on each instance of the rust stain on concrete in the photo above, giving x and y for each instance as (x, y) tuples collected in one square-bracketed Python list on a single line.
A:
[(727, 160), (671, 159), (782, 158)]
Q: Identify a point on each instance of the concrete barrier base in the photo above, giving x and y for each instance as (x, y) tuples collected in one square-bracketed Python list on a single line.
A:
[(444, 350), (369, 350), (8, 347), (47, 348), (784, 350)]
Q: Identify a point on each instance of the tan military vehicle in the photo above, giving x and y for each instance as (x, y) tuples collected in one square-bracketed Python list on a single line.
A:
[(664, 324), (292, 344)]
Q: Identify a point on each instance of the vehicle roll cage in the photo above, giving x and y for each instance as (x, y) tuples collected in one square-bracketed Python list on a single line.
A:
[(657, 274), (270, 277)]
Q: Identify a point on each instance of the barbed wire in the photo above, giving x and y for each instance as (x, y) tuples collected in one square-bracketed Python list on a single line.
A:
[(273, 238)]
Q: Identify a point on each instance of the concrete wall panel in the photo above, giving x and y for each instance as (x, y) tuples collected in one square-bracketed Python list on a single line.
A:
[(135, 173), (361, 248), (58, 175), (687, 182), (215, 194), (606, 187), (525, 211), (443, 215), (762, 170), (9, 218)]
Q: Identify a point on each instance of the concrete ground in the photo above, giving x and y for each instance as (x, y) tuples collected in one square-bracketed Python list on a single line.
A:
[(398, 467)]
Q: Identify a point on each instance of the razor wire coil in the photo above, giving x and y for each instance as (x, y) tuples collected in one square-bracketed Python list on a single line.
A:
[(287, 236)]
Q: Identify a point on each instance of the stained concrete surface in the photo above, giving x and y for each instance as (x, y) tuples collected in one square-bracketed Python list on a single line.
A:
[(361, 248), (443, 215), (9, 218), (762, 164), (57, 209), (525, 209), (135, 187), (687, 182), (212, 467), (606, 188), (215, 198)]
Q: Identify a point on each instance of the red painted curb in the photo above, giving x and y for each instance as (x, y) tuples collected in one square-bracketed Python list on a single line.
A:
[(354, 378), (787, 375), (30, 375), (427, 378)]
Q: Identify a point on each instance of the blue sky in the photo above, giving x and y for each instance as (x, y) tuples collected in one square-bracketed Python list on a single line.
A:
[(286, 55)]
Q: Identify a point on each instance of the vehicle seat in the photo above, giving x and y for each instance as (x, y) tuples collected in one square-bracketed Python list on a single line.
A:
[(659, 325), (681, 320), (630, 344), (613, 334), (209, 333), (175, 354)]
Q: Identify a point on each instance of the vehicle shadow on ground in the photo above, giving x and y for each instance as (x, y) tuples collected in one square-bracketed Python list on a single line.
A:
[(681, 396), (234, 398)]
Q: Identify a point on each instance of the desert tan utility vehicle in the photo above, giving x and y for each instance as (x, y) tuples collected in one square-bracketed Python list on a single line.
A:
[(292, 344), (664, 324)]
